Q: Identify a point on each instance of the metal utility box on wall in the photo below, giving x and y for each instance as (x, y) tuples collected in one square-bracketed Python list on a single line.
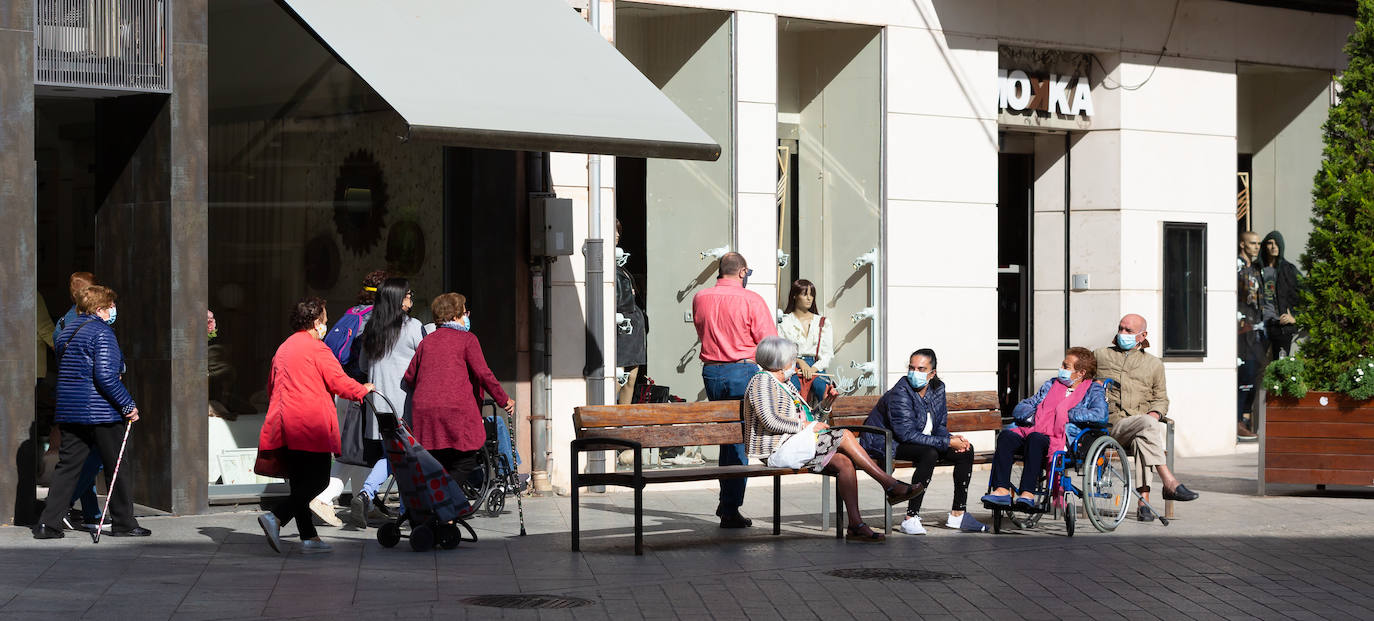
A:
[(551, 227)]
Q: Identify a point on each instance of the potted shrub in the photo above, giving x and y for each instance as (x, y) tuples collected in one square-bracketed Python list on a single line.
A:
[(1318, 420)]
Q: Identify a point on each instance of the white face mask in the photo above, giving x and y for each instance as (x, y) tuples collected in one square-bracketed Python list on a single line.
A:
[(321, 330), (789, 373)]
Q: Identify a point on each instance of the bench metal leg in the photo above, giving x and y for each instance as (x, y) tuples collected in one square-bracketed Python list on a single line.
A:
[(576, 525), (1169, 459), (825, 501), (639, 521), (777, 505)]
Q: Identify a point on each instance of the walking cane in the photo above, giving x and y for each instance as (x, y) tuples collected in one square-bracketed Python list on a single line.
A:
[(95, 536), (519, 504)]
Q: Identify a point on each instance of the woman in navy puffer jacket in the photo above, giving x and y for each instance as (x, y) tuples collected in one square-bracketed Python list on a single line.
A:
[(92, 407)]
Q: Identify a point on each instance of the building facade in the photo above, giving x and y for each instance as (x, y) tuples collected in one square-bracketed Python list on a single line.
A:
[(992, 179)]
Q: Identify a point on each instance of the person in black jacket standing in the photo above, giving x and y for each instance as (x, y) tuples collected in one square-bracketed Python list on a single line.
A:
[(631, 340), (914, 410), (92, 407), (1280, 294)]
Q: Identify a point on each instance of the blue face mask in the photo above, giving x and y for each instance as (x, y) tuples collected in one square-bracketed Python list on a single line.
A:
[(917, 380), (467, 323), (1065, 375), (1125, 341), (113, 313)]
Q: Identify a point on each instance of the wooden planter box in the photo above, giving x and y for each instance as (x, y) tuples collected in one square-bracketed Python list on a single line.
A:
[(1323, 438)]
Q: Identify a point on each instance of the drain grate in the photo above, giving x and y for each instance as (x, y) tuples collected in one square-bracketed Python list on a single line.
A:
[(892, 575), (527, 601)]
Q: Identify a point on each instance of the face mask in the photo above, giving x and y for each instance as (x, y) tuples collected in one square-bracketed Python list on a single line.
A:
[(1065, 375), (917, 380), (321, 330), (113, 313), (621, 257), (466, 323), (1125, 341), (788, 374)]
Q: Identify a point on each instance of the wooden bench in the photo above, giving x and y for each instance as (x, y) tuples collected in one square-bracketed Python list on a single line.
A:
[(968, 412), (656, 425)]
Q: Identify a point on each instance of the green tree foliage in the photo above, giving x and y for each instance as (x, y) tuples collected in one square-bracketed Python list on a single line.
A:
[(1336, 300)]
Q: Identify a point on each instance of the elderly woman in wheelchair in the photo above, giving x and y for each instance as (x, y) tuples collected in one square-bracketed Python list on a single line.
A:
[(1045, 425)]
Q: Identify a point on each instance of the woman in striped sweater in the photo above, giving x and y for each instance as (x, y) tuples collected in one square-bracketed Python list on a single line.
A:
[(774, 413)]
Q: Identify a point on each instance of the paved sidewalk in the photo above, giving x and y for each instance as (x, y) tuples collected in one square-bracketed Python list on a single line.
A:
[(1229, 554)]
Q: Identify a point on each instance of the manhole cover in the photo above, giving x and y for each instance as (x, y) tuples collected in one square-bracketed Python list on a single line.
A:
[(895, 575), (527, 601)]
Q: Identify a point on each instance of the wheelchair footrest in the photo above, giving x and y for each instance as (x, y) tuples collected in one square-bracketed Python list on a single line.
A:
[(1014, 508)]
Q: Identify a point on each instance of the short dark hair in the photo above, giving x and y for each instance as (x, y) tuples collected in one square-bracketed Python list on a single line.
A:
[(731, 263), (448, 306), (927, 352), (305, 312), (1086, 361)]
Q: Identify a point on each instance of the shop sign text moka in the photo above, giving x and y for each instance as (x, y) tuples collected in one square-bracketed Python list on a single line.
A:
[(1050, 94)]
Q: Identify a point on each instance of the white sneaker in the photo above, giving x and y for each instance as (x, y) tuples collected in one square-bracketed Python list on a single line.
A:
[(954, 521), (912, 526), (325, 511), (272, 530), (315, 546)]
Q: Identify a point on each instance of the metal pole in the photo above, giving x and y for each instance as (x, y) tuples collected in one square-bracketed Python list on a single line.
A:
[(1068, 164), (595, 369), (539, 346)]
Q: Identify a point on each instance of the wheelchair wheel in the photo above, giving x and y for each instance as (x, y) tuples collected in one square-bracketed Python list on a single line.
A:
[(496, 501), (1106, 484)]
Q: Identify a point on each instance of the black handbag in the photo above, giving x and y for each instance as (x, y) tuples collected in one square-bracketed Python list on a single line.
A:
[(352, 434)]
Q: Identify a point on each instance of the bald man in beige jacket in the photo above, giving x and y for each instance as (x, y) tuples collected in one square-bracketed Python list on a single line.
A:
[(1137, 402)]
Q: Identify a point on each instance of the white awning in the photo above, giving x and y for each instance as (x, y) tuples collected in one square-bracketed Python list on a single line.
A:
[(506, 74)]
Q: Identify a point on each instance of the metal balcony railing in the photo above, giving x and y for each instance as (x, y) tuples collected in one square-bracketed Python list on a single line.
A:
[(110, 44)]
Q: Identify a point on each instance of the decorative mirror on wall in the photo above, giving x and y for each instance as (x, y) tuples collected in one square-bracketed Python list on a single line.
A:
[(360, 202)]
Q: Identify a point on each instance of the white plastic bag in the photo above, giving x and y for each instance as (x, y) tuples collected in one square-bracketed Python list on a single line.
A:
[(795, 450)]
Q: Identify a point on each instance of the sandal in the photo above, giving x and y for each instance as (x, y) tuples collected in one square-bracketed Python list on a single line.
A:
[(857, 533), (911, 491)]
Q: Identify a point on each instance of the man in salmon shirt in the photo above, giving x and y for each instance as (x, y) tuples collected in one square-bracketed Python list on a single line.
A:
[(731, 321)]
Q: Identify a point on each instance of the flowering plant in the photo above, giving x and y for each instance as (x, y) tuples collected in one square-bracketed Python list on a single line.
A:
[(1285, 377), (211, 328), (1358, 380)]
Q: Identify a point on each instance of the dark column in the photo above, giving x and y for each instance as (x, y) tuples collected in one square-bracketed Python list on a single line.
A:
[(18, 251), (189, 269)]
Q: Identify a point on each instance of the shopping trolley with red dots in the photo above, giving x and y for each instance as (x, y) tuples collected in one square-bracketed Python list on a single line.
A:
[(433, 507)]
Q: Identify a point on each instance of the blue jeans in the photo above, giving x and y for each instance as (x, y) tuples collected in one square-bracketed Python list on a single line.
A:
[(817, 387), (725, 382), (376, 478), (85, 487)]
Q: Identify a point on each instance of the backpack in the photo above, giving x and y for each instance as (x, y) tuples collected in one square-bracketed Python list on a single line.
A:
[(340, 339)]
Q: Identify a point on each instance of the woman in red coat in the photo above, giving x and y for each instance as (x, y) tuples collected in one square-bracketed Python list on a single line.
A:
[(301, 418), (444, 380)]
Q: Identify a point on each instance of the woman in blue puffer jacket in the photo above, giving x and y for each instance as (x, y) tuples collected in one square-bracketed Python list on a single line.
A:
[(92, 407)]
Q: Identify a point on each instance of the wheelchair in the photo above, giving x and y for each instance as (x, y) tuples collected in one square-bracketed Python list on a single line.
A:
[(494, 478), (1104, 484)]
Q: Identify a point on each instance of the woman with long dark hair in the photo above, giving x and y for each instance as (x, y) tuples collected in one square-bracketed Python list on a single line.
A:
[(387, 347), (803, 324)]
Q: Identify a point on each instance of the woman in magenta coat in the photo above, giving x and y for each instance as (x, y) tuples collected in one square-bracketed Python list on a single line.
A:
[(301, 419), (444, 380)]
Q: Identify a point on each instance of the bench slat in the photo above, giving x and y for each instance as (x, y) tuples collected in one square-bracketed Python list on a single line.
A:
[(676, 475), (954, 401), (656, 414), (671, 435), (958, 421)]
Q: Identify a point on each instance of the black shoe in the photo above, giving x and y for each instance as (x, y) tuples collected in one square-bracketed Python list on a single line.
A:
[(137, 531), (1180, 493), (1144, 514), (43, 531), (735, 521)]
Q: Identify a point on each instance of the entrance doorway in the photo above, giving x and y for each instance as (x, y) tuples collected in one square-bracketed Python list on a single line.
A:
[(1015, 238)]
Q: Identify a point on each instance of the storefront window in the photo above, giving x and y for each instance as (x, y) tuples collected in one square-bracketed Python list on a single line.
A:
[(1185, 289), (310, 189)]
